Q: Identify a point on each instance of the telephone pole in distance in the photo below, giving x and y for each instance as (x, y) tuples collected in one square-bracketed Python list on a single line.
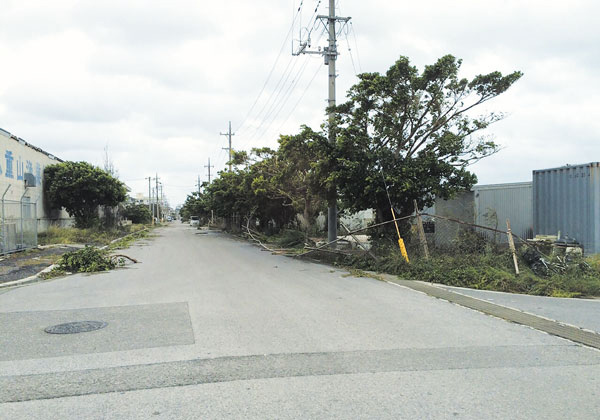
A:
[(157, 205), (209, 166), (228, 134), (149, 193)]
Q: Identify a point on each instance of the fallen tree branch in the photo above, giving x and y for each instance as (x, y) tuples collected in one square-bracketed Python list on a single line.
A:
[(331, 251), (124, 256), (358, 242)]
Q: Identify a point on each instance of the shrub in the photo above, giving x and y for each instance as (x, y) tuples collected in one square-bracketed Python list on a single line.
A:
[(137, 213), (290, 238)]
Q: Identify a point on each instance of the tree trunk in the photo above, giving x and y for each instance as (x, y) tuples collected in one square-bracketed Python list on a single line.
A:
[(307, 214)]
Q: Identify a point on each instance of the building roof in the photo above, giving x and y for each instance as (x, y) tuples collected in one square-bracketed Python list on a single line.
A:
[(24, 143)]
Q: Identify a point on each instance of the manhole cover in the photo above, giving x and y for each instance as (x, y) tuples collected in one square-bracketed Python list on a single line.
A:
[(76, 327)]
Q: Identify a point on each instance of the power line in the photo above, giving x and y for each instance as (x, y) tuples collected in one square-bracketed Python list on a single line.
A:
[(272, 67), (271, 72), (277, 106), (272, 106), (278, 87), (356, 46), (284, 102), (350, 51), (299, 99)]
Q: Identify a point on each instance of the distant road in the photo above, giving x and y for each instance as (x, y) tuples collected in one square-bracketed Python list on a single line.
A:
[(209, 326)]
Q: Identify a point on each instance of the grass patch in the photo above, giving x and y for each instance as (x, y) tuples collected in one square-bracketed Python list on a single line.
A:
[(128, 240), (288, 238), (355, 272), (71, 235), (594, 262)]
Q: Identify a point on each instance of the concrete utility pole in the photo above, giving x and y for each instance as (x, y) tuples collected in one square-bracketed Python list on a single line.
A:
[(329, 54), (151, 201), (208, 166), (149, 194), (198, 184), (162, 202), (229, 134), (157, 205)]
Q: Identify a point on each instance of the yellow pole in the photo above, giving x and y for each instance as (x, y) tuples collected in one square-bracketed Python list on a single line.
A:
[(400, 240)]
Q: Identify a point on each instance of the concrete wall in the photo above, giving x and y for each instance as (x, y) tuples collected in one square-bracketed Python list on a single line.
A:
[(18, 158)]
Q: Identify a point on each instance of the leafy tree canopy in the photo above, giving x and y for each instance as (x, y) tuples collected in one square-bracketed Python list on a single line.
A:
[(273, 185), (195, 205), (80, 188), (137, 213), (417, 130)]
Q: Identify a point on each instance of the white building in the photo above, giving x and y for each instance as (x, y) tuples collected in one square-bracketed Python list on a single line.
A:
[(21, 184)]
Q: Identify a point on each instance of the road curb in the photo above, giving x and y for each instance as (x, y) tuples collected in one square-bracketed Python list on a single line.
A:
[(552, 327), (27, 280)]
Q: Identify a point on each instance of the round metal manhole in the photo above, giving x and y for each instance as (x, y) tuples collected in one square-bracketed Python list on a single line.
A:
[(76, 327)]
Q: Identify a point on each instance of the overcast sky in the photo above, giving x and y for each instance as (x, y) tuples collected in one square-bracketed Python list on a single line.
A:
[(157, 81)]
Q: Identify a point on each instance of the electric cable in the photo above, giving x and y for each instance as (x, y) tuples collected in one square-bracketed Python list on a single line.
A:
[(300, 99), (273, 66)]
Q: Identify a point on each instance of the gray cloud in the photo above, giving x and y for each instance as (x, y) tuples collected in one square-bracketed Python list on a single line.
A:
[(158, 81)]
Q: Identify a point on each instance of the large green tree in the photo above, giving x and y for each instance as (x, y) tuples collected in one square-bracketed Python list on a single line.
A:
[(248, 189), (80, 188), (418, 131), (195, 205), (137, 213), (292, 173)]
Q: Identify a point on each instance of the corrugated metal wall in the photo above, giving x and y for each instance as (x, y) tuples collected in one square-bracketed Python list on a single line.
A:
[(567, 199), (496, 203)]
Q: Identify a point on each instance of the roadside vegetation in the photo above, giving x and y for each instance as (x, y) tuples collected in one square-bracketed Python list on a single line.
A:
[(492, 272), (93, 258), (414, 131), (404, 136), (86, 260), (80, 188), (487, 268), (91, 236)]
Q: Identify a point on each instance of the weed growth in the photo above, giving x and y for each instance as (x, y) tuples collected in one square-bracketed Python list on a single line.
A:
[(484, 271), (92, 236)]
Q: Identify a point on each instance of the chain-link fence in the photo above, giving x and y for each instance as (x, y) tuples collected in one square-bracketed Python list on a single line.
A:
[(423, 237), (18, 226), (439, 236)]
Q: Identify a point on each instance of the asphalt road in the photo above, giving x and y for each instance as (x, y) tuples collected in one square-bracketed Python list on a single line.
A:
[(207, 326)]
